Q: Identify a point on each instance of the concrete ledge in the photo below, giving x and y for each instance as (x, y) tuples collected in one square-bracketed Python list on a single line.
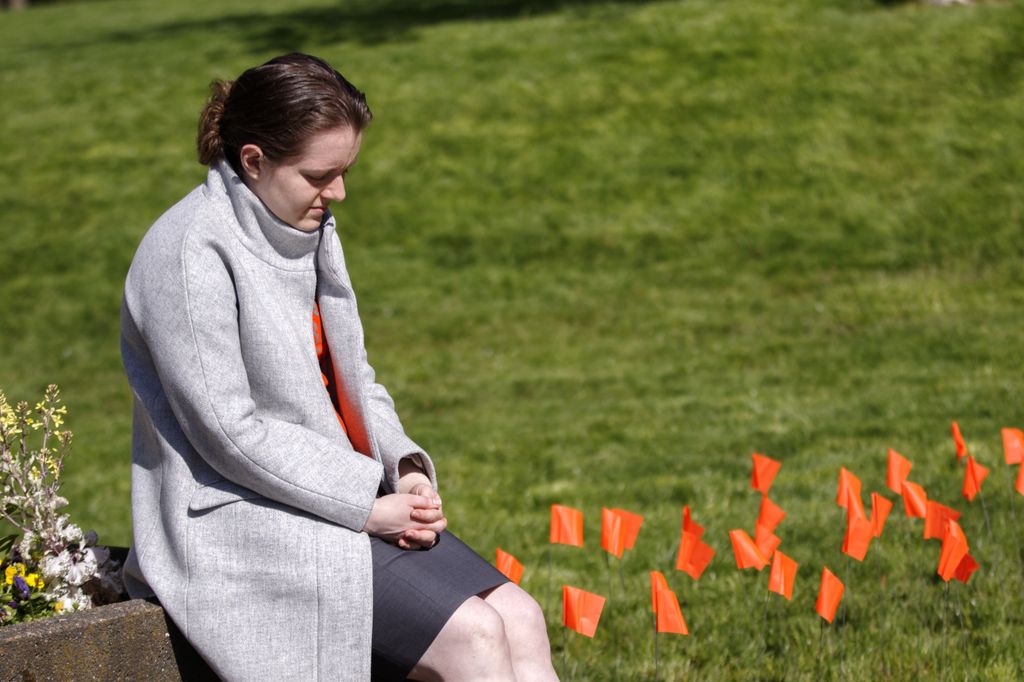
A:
[(131, 640)]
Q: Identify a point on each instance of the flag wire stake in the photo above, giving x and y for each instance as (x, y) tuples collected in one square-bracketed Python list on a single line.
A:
[(785, 642), (608, 572), (1016, 523), (963, 635), (612, 627), (846, 599), (764, 632), (821, 647), (984, 509), (945, 604), (654, 621)]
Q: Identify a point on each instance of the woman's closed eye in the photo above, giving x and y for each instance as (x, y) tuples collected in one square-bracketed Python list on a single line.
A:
[(322, 180)]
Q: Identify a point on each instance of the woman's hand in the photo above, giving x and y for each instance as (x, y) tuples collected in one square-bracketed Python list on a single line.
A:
[(410, 521), (426, 490)]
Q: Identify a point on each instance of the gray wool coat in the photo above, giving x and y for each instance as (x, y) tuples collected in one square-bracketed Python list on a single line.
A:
[(247, 496)]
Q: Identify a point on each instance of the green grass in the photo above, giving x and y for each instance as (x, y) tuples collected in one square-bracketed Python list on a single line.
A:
[(604, 250)]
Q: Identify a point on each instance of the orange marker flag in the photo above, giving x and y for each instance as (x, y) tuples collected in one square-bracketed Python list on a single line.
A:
[(581, 610), (746, 551), (849, 488), (612, 540), (829, 595), (897, 471), (658, 582), (1013, 446), (782, 576), (954, 549), (967, 566), (958, 441), (668, 615), (880, 508), (765, 469), (974, 475), (770, 515), (630, 526), (694, 555), (915, 500), (935, 519), (766, 541), (566, 526), (689, 525), (508, 565), (858, 538), (855, 508)]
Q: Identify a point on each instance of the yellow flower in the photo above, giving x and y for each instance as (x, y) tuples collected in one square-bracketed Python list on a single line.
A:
[(13, 570), (32, 579), (58, 606)]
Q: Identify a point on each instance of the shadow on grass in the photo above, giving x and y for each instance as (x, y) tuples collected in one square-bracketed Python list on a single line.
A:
[(367, 22)]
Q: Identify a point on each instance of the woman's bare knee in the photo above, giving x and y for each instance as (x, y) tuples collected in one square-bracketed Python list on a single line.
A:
[(479, 627), (517, 607), (471, 646), (526, 631)]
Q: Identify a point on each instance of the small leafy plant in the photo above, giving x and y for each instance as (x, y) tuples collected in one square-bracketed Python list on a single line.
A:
[(49, 566)]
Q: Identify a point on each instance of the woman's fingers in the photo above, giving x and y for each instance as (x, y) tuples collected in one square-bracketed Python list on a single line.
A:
[(426, 515), (433, 526), (417, 539), (426, 490), (423, 501), (394, 517)]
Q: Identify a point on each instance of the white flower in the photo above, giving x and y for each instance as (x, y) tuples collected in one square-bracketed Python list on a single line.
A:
[(70, 533), (83, 567), (82, 600), (69, 603), (56, 566), (26, 544)]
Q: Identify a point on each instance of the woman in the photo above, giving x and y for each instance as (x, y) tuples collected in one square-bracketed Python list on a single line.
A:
[(281, 515)]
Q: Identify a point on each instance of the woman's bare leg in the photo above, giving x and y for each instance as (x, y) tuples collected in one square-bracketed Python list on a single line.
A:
[(472, 646), (526, 631)]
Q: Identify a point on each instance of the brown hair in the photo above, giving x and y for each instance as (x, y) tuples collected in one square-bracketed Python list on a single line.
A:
[(278, 106)]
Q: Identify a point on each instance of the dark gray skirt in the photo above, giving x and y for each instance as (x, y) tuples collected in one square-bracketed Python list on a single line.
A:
[(414, 595)]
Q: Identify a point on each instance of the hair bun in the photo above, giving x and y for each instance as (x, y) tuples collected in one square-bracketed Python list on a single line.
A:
[(208, 142)]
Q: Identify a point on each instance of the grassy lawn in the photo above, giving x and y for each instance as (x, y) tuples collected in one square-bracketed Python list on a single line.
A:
[(604, 251)]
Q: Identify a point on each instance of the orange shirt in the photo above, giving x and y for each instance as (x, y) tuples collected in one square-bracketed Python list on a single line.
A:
[(326, 369)]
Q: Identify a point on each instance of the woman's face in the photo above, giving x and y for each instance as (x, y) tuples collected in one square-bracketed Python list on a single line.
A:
[(299, 189)]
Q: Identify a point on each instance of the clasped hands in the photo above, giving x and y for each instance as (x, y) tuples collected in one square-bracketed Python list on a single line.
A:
[(411, 518)]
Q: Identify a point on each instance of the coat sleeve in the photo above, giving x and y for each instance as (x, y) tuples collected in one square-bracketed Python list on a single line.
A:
[(392, 442), (180, 337)]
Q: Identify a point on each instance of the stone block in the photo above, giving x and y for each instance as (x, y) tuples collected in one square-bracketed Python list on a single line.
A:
[(130, 640)]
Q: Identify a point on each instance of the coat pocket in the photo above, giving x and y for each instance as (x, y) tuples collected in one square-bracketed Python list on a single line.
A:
[(219, 493)]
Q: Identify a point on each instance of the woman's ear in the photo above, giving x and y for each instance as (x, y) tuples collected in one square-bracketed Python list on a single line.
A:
[(251, 158)]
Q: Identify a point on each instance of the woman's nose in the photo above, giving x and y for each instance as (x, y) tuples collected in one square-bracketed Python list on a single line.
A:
[(336, 190)]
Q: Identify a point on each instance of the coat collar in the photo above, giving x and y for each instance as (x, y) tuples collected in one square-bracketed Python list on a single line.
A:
[(261, 232)]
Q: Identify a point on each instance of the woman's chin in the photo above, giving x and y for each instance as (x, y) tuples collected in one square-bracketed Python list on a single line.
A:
[(307, 224)]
